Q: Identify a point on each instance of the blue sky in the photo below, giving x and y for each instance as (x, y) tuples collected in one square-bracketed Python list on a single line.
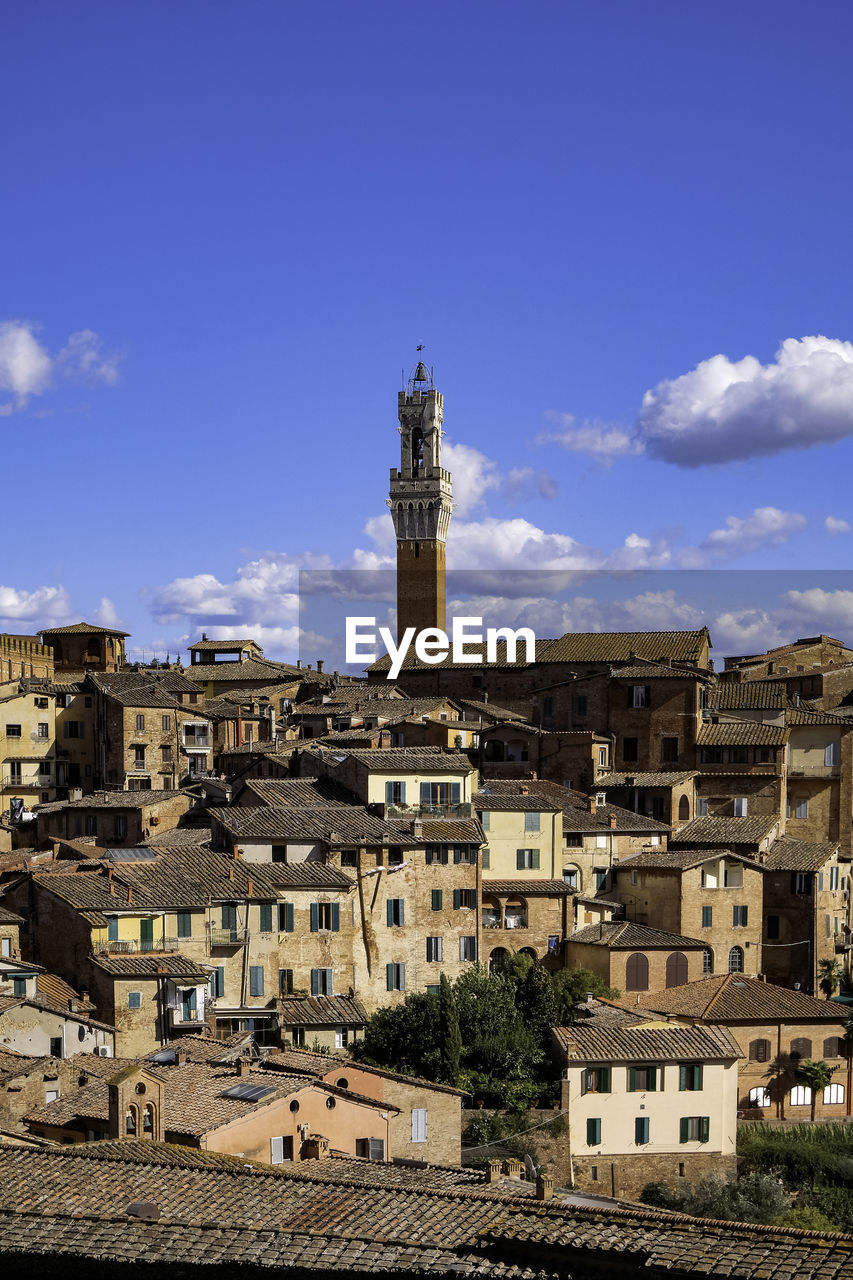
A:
[(225, 228)]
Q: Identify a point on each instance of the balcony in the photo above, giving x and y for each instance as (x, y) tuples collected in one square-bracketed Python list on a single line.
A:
[(463, 810), (511, 919), (181, 1019), (228, 937), (135, 946)]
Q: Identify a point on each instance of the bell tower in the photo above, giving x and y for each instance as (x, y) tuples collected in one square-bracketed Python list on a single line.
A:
[(421, 503)]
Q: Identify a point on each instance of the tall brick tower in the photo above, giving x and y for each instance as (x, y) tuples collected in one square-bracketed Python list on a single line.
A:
[(421, 503)]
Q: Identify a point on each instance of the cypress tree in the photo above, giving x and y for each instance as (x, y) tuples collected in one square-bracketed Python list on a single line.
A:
[(451, 1039)]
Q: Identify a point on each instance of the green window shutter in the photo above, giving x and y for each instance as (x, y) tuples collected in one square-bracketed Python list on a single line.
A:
[(652, 1080), (315, 917), (593, 1132), (112, 928), (402, 911), (265, 912), (604, 1080), (288, 917), (389, 977), (486, 855), (682, 1080), (697, 1076), (535, 860), (389, 911), (705, 1129), (436, 897), (336, 917), (641, 1130), (457, 899), (519, 859), (684, 1134), (632, 1079)]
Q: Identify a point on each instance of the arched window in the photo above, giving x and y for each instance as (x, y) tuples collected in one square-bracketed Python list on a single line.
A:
[(148, 1120), (683, 809), (736, 960), (676, 969), (131, 1122), (528, 951), (707, 960), (637, 972), (498, 958), (833, 1095), (759, 1096), (759, 1050), (572, 876), (801, 1047), (833, 1047), (801, 1096)]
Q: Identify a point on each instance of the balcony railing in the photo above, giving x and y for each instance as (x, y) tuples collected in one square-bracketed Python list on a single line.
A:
[(228, 937), (136, 946), (463, 810), (184, 1018), (492, 920)]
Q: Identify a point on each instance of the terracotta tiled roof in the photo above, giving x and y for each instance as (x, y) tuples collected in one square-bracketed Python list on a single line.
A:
[(14, 1064), (321, 1011), (741, 733), (657, 671), (254, 668), (117, 800), (320, 1065), (528, 888), (645, 1042), (648, 779), (302, 793), (350, 824), (750, 695), (720, 832), (622, 646), (167, 964), (627, 935), (487, 799), (179, 837), (9, 917), (734, 997), (680, 859), (412, 760), (81, 629), (788, 854)]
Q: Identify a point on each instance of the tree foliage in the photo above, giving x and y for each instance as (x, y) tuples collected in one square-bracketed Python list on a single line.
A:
[(756, 1197)]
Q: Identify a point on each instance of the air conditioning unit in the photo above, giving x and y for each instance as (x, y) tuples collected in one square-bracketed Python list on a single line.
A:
[(103, 1051)]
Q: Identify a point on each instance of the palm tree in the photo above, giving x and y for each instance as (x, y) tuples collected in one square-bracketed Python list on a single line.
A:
[(815, 1074), (830, 977)]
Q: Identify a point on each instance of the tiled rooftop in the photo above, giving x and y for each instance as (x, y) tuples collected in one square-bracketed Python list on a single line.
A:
[(627, 935), (528, 888), (321, 1011), (349, 824), (789, 854), (720, 832), (741, 733), (734, 997), (645, 1042), (623, 646), (648, 779)]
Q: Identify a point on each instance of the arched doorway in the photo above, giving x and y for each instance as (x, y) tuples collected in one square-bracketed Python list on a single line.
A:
[(637, 972), (676, 969)]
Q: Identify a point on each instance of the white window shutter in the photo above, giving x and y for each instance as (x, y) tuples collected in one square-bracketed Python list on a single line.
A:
[(276, 1150), (419, 1124)]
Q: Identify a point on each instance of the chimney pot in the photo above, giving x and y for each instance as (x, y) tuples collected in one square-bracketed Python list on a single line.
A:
[(244, 1066), (544, 1187), (592, 804), (320, 662)]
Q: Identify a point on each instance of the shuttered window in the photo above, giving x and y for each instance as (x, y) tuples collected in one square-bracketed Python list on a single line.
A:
[(419, 1124), (256, 980), (436, 897), (593, 1132), (395, 911), (285, 917), (265, 912), (641, 1130)]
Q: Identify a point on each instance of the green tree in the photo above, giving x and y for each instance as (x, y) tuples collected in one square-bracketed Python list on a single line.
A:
[(757, 1197), (806, 1217), (570, 987), (815, 1074), (451, 1039), (831, 974)]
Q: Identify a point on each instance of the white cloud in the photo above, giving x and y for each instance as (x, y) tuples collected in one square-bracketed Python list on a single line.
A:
[(473, 476), (525, 482), (44, 606), (763, 527), (835, 525), (724, 410), (604, 441), (105, 614), (83, 360), (28, 369)]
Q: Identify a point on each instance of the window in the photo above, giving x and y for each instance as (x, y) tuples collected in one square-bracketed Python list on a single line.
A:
[(830, 755), (90, 823), (690, 1077), (281, 1149), (15, 773), (166, 754), (637, 972), (707, 917), (593, 1133), (440, 793), (434, 950), (712, 755), (801, 882), (801, 1047), (44, 768), (43, 730), (740, 917), (833, 1095), (436, 853), (581, 705), (185, 924), (833, 878), (486, 820), (485, 857), (435, 899), (527, 859), (801, 1096), (694, 1129), (669, 750), (321, 982), (395, 793), (41, 703), (395, 911), (740, 806), (13, 731), (120, 827), (265, 917), (707, 960), (595, 1080), (738, 755), (256, 980), (349, 858), (642, 1079), (279, 853), (50, 1095), (759, 1096), (285, 982), (701, 806), (464, 853), (228, 916), (602, 757), (833, 1047), (531, 821), (676, 969), (19, 986), (571, 877), (134, 999), (630, 750), (465, 898), (5, 947), (395, 977), (772, 927), (166, 723), (641, 1130), (297, 1036), (736, 960), (285, 917), (759, 1050), (139, 757), (325, 917), (468, 948), (217, 982), (801, 807), (140, 723), (419, 1124), (640, 695)]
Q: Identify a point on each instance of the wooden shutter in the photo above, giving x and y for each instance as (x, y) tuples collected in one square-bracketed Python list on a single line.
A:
[(315, 917), (676, 969), (637, 972), (436, 897), (389, 977), (534, 860), (457, 899), (419, 1124), (426, 793), (641, 1130), (256, 980), (593, 1132), (684, 1129), (376, 1148), (705, 1129), (520, 859), (402, 972), (682, 1078), (632, 1079), (315, 981), (336, 917), (276, 1150)]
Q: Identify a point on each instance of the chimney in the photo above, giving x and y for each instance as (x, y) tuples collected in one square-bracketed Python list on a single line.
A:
[(298, 664), (495, 1171), (320, 665), (418, 829), (544, 1187), (244, 1066), (611, 820), (112, 888), (204, 635), (524, 790), (181, 1056), (592, 804), (315, 1148), (250, 888), (130, 893)]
